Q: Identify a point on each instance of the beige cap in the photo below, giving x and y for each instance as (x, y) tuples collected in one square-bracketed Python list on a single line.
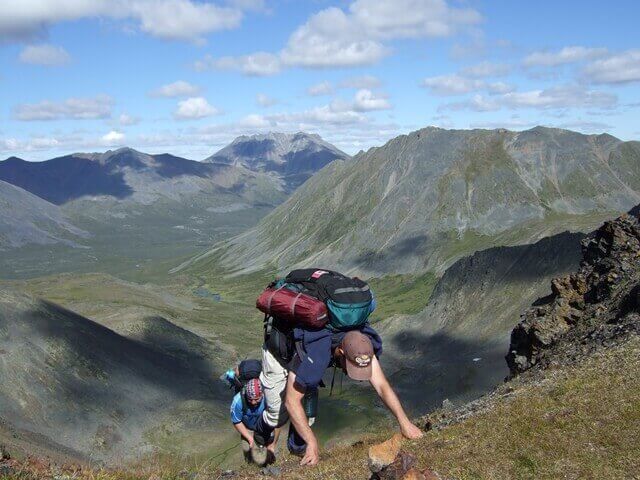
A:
[(358, 352)]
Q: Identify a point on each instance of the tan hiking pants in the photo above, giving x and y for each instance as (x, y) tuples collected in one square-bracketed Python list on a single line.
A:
[(274, 381)]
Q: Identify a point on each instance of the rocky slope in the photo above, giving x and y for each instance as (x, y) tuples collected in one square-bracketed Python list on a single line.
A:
[(27, 219), (69, 381), (294, 157), (455, 347), (425, 199), (597, 305)]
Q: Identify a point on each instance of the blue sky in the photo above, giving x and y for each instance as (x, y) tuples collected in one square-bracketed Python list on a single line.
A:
[(188, 76)]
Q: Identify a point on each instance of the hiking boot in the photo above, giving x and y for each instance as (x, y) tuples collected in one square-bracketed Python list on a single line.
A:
[(259, 455)]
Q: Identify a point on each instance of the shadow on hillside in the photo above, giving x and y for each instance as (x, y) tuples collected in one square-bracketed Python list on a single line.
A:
[(66, 178), (169, 166), (430, 368), (122, 362), (409, 247)]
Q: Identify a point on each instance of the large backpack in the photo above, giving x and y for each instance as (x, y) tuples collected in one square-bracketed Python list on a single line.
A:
[(349, 300)]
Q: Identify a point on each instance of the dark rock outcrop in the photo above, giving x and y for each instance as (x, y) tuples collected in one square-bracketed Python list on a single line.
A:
[(596, 306)]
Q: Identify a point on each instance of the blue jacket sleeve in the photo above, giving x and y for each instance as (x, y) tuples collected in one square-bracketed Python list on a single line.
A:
[(314, 358), (236, 409)]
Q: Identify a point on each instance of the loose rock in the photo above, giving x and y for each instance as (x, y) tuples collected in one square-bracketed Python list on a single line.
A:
[(384, 454)]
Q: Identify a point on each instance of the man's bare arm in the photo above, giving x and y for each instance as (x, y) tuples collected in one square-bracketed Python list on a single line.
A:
[(244, 431), (299, 420), (381, 385)]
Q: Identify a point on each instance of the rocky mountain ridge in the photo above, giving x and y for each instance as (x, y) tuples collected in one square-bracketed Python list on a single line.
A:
[(598, 305), (425, 199), (125, 174), (294, 157)]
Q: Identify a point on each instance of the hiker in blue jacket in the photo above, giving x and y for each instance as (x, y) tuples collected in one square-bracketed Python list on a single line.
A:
[(246, 408)]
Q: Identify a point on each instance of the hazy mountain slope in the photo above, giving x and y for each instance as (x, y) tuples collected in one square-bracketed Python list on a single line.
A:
[(427, 198), (93, 390), (27, 219), (455, 347), (294, 157), (139, 208), (126, 174)]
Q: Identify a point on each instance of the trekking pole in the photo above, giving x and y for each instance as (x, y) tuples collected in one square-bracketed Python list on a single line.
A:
[(333, 379)]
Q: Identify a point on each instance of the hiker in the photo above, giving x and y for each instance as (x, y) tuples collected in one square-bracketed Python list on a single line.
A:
[(295, 356), (246, 408), (355, 352)]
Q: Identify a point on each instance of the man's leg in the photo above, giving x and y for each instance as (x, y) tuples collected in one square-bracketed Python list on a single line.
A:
[(274, 382)]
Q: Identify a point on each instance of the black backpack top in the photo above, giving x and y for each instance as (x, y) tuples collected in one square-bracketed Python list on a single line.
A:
[(247, 370), (349, 300)]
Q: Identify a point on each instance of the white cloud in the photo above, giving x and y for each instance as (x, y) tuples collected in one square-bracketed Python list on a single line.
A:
[(265, 100), (511, 124), (486, 69), (254, 121), (318, 116), (113, 138), (586, 126), (562, 57), (195, 108), (48, 55), (364, 81), (500, 87), (452, 84), (169, 19), (410, 18), (177, 89), (125, 120), (322, 88), (561, 97), (620, 68), (330, 39), (259, 64), (334, 37), (366, 101), (72, 108)]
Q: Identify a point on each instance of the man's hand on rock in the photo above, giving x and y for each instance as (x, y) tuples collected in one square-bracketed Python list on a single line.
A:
[(311, 455), (410, 431)]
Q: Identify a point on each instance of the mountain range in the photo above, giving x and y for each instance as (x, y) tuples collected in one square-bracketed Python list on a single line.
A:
[(425, 199), (138, 206)]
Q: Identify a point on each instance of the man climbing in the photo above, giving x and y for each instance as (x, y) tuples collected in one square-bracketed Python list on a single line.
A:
[(312, 316), (286, 383), (246, 408)]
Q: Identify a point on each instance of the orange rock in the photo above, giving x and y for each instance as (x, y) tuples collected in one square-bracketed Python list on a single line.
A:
[(383, 454), (413, 474)]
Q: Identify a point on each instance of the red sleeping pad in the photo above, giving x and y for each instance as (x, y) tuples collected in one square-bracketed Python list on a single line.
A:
[(297, 309)]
